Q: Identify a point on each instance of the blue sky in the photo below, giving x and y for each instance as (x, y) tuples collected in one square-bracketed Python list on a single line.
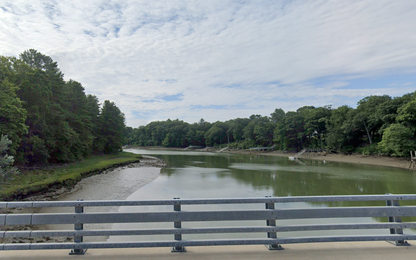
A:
[(220, 59)]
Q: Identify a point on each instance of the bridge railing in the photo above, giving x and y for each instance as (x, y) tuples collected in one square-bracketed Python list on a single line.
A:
[(272, 212)]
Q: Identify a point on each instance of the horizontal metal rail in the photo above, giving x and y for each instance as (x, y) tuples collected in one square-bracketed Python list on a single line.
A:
[(119, 203), (272, 212), (87, 218), (289, 228)]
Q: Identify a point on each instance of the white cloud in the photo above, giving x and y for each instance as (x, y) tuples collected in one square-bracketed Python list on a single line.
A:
[(241, 58)]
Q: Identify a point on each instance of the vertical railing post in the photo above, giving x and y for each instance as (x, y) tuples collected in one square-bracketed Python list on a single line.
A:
[(396, 231), (272, 223), (177, 224), (78, 239)]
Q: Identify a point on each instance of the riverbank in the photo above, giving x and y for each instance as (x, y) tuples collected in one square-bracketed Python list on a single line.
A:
[(355, 158), (55, 180), (115, 183), (397, 162)]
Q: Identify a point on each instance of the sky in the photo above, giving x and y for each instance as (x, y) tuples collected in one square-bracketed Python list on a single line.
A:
[(220, 59)]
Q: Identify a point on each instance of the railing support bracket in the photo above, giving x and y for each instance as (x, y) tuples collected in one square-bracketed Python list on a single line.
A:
[(274, 247), (398, 231), (272, 223), (78, 252), (78, 239), (178, 249), (177, 224), (399, 243)]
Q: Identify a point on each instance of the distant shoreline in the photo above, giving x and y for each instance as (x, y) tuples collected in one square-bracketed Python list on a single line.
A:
[(397, 162)]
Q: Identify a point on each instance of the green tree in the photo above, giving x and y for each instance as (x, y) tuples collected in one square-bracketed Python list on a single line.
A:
[(80, 119), (316, 124), (259, 130), (12, 113), (407, 115), (195, 136), (35, 93), (176, 133), (398, 140), (111, 129), (37, 60), (263, 131), (217, 134), (368, 115), (294, 131), (6, 161), (42, 89), (50, 120), (341, 130), (278, 117), (236, 128)]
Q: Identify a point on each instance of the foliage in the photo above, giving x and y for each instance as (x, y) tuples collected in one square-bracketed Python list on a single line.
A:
[(369, 149), (50, 120), (217, 134), (12, 114), (7, 170), (111, 126), (340, 130), (367, 129), (398, 140), (368, 116)]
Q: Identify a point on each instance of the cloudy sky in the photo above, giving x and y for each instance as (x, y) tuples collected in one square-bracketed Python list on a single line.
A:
[(220, 59)]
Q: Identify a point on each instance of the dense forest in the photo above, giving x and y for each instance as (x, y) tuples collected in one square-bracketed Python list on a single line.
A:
[(378, 125), (49, 120)]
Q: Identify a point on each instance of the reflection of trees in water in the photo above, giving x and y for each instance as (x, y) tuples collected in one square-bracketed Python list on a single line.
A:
[(201, 161), (312, 184), (298, 183), (220, 161)]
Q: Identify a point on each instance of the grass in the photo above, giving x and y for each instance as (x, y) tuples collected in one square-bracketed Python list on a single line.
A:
[(37, 181)]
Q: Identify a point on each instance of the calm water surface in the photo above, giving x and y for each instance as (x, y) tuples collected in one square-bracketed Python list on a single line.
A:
[(214, 175)]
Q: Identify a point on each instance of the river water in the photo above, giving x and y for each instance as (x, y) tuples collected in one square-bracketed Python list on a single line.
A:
[(220, 175)]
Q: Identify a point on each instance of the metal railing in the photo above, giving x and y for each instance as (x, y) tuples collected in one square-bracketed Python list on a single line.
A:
[(271, 212)]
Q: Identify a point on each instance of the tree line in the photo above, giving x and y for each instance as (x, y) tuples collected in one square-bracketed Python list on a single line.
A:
[(50, 120), (378, 125)]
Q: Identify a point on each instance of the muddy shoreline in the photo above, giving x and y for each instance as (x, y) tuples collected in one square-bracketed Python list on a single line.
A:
[(111, 184), (397, 162)]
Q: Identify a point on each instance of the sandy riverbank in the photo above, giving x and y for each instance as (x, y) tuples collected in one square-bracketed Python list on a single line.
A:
[(360, 159)]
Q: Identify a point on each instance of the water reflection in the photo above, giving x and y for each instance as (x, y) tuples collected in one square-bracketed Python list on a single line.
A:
[(211, 175)]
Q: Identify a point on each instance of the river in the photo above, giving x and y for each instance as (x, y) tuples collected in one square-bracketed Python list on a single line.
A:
[(219, 175)]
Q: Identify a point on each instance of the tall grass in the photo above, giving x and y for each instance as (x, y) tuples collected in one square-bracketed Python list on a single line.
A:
[(44, 180)]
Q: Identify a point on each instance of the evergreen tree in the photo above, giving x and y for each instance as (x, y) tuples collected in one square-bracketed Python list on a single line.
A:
[(111, 126)]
